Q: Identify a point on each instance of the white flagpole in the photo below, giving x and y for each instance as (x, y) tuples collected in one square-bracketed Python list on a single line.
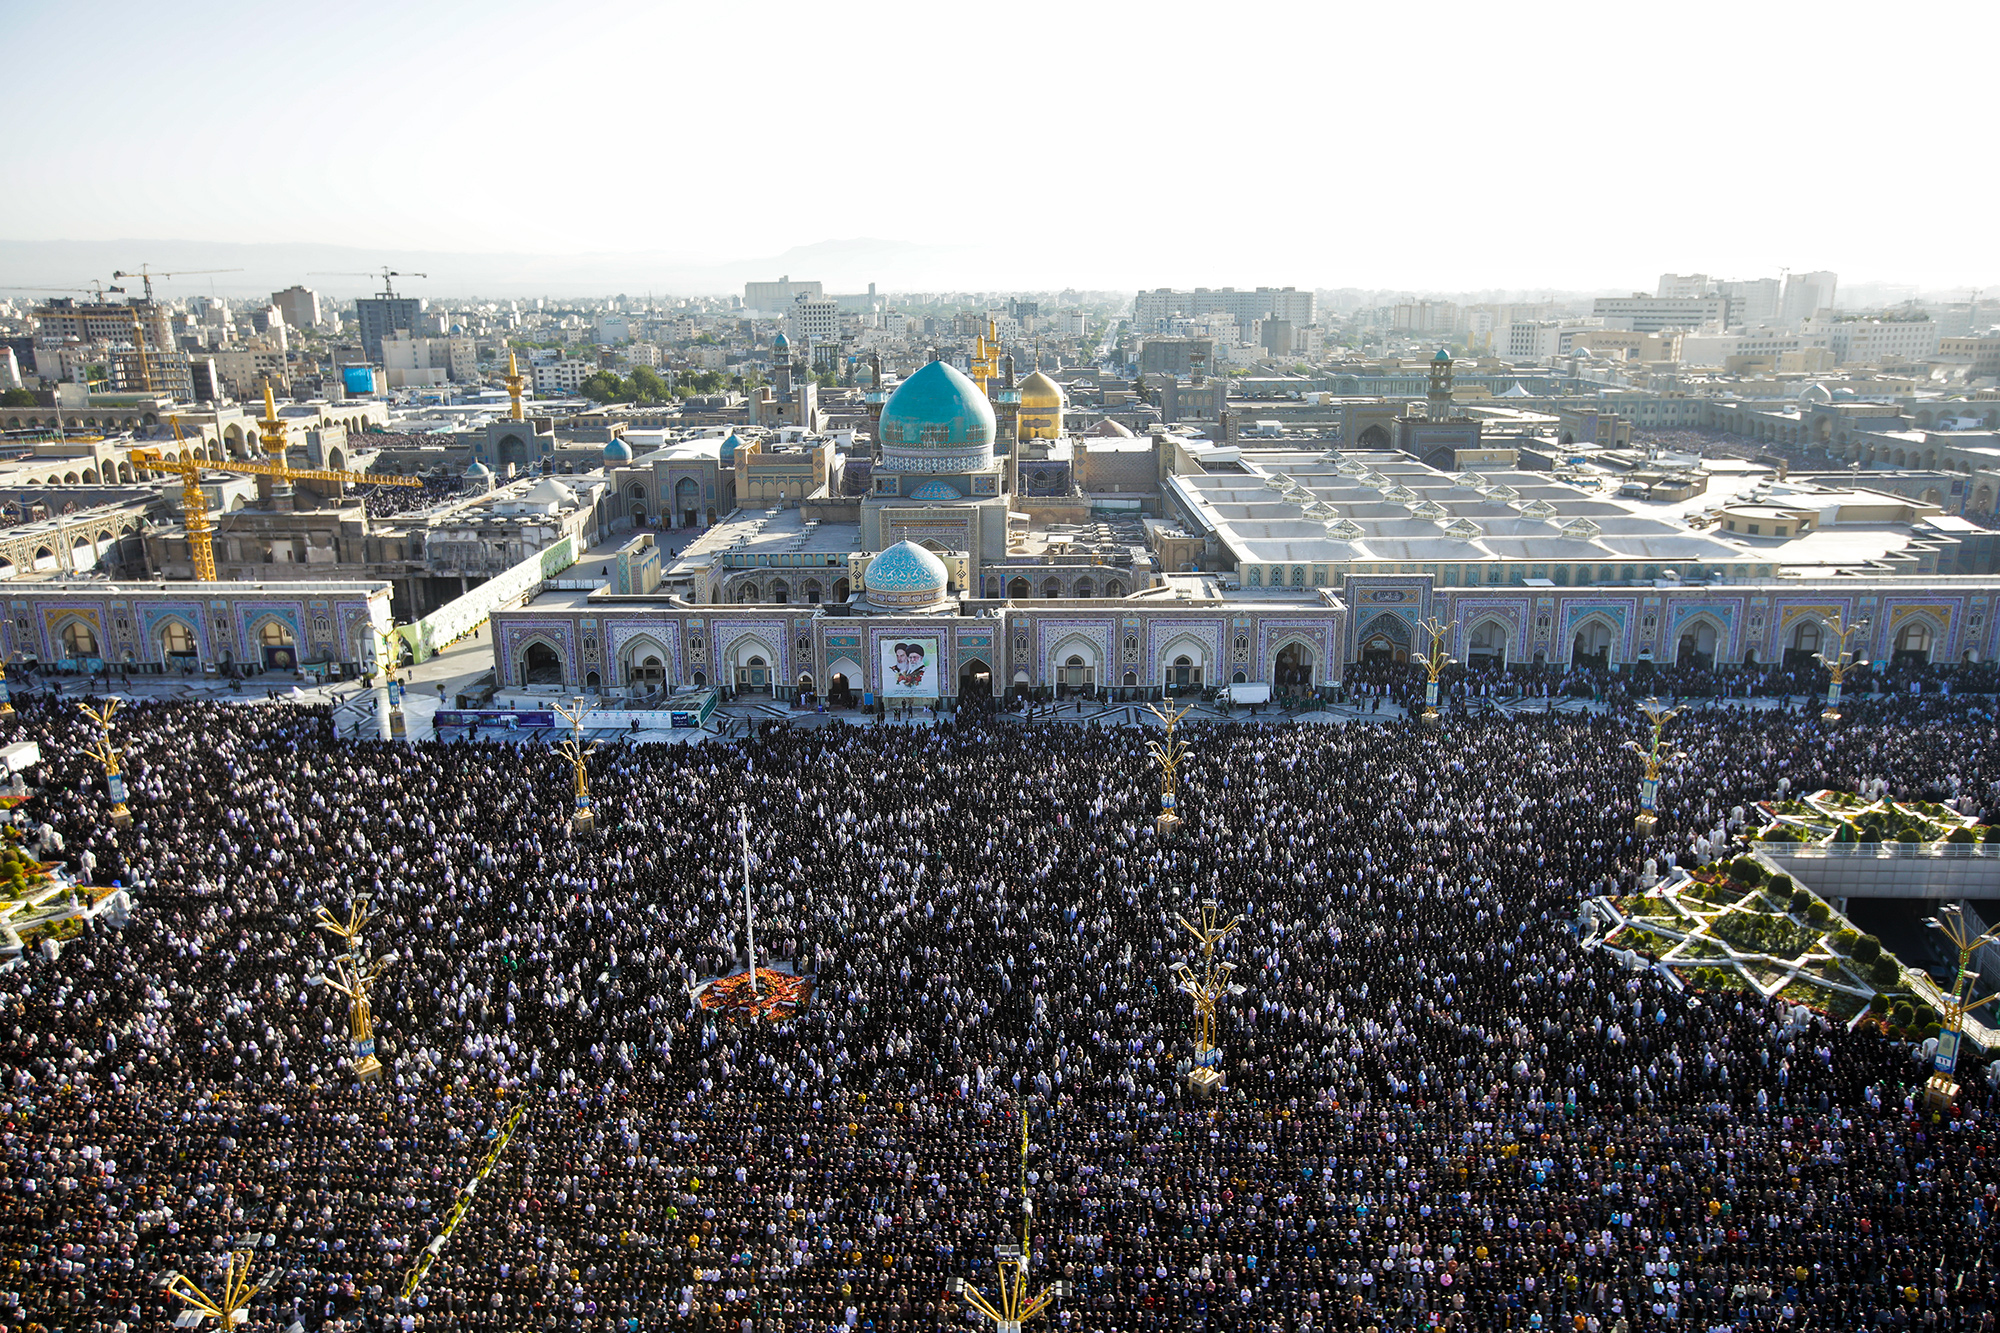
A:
[(749, 925)]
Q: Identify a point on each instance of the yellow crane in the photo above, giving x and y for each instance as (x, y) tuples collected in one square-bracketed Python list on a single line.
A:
[(194, 502)]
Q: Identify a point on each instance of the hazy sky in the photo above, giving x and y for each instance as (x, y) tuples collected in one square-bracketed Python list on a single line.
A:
[(1431, 146)]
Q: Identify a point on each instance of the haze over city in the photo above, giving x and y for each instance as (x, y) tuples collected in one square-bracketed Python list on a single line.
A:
[(1447, 147)]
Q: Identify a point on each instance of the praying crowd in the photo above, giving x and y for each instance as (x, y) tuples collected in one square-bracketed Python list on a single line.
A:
[(1442, 1106)]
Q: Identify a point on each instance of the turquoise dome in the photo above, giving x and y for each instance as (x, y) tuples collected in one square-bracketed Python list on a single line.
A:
[(905, 577), (478, 469), (729, 448), (937, 421), (781, 343), (1442, 355), (618, 452)]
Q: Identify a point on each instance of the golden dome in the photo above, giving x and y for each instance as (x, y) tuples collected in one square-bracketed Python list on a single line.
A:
[(1038, 390)]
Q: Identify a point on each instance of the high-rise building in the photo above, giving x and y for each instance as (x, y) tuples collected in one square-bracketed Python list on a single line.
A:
[(381, 316), (1151, 309), (775, 298), (1639, 313), (1751, 302), (299, 306), (1685, 286), (1806, 294)]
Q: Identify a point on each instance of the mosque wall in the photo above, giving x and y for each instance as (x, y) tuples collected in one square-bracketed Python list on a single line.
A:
[(211, 624)]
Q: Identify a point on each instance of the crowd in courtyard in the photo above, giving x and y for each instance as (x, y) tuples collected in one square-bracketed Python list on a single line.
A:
[(1442, 1108)]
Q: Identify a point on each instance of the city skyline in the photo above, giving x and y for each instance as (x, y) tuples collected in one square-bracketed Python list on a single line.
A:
[(1363, 150)]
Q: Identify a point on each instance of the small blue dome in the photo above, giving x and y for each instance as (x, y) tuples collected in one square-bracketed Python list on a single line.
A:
[(618, 452), (937, 421), (905, 576), (478, 469), (1442, 355), (781, 343), (729, 448)]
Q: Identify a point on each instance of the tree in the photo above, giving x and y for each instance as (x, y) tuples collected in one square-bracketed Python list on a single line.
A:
[(606, 387), (18, 398), (648, 387)]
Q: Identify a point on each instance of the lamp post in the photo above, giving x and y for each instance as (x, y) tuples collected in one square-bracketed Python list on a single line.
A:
[(105, 753), (1015, 1306), (228, 1309), (1435, 661), (354, 976), (1205, 988), (573, 749), (1941, 1090), (1167, 754), (1649, 786), (1836, 665)]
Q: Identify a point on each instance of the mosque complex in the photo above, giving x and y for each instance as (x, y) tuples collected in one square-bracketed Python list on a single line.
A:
[(1263, 571), (974, 545)]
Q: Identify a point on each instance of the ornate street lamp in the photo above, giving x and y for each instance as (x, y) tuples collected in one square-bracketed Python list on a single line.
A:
[(573, 749), (1649, 786), (1015, 1306), (1941, 1090), (1205, 988), (105, 753), (1836, 665), (1167, 754), (1435, 661), (355, 975)]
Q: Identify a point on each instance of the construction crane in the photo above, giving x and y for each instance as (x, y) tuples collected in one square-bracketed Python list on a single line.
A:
[(99, 290), (194, 501), (146, 275), (385, 273)]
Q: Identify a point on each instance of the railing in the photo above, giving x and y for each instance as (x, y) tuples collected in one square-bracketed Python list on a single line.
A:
[(1952, 851)]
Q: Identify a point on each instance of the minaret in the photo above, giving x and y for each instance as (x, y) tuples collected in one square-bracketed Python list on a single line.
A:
[(270, 493), (513, 381), (1440, 395)]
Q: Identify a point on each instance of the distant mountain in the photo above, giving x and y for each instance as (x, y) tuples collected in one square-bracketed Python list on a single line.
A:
[(843, 265)]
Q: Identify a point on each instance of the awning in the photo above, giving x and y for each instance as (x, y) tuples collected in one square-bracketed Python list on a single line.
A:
[(1250, 694)]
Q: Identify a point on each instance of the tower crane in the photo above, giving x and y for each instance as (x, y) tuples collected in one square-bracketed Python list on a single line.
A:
[(146, 275), (385, 273), (194, 501)]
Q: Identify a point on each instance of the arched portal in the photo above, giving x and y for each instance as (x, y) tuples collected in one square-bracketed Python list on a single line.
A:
[(79, 640), (1698, 644), (975, 679), (1808, 637), (541, 664), (177, 644), (1387, 639), (1591, 647), (1374, 437), (753, 675), (1018, 588), (1292, 673), (276, 646), (1914, 643), (687, 502), (1487, 646)]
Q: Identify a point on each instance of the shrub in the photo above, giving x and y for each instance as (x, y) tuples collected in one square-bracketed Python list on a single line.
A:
[(1780, 884), (1991, 833), (1868, 833), (1878, 1003), (1746, 871), (1866, 949), (1779, 834), (1818, 913), (1902, 1014), (1798, 902), (1932, 1029), (1885, 972), (1961, 835), (1908, 835), (1845, 939)]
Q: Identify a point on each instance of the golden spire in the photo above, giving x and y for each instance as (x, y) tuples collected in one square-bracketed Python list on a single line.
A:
[(513, 382), (274, 429)]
